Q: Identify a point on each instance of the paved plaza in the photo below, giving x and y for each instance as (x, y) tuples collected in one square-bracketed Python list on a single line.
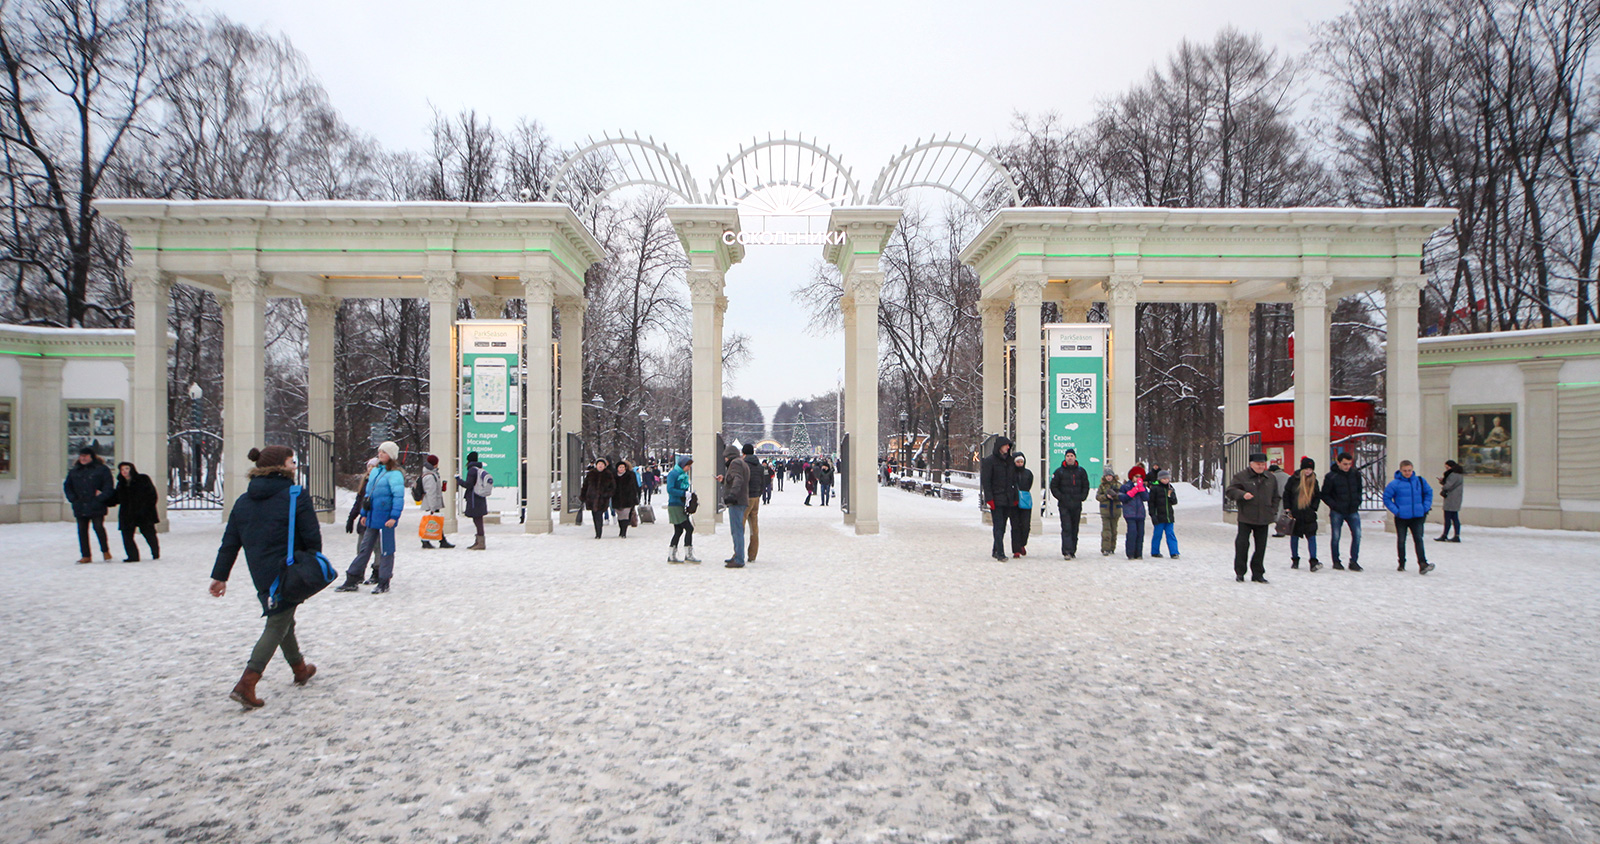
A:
[(896, 688)]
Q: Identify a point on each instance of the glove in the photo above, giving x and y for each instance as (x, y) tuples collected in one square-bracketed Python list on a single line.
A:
[(991, 505)]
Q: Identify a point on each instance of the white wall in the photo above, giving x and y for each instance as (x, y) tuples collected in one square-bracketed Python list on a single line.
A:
[(11, 388), (84, 378), (1498, 383), (1580, 371)]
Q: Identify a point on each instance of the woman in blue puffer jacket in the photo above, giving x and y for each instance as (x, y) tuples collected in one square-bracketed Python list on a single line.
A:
[(1409, 498), (677, 501), (386, 499)]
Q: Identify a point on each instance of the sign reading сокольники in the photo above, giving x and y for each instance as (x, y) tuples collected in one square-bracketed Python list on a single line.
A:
[(490, 404), (1076, 356)]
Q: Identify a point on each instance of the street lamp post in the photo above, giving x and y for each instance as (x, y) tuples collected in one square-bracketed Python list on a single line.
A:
[(598, 402), (905, 452), (945, 405), (195, 411), (644, 420), (666, 436)]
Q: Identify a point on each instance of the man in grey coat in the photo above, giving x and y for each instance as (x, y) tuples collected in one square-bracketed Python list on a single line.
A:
[(735, 480), (1452, 488), (1257, 493)]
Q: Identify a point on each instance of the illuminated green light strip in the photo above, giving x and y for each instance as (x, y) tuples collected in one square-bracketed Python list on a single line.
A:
[(1506, 359), (80, 355), (552, 252), (1577, 384)]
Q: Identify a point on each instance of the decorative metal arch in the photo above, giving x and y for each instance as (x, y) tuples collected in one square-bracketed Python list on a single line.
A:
[(785, 177), (610, 164), (961, 168)]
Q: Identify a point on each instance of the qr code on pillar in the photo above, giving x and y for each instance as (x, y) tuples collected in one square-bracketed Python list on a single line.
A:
[(1076, 394)]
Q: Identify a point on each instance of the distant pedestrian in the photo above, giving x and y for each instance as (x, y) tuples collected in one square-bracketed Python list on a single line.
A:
[(474, 506), (735, 480), (598, 485), (1163, 515), (752, 513), (677, 504), (1452, 488), (433, 496), (1409, 499), (1133, 496), (1109, 495), (767, 475), (998, 484), (1258, 498), (625, 497), (361, 499), (89, 488), (1282, 479), (811, 482), (259, 525), (1069, 484), (386, 500), (136, 500), (825, 480), (649, 483), (1301, 499), (1023, 523), (1342, 492)]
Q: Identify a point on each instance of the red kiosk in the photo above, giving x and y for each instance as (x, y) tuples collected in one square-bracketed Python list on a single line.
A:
[(1274, 418)]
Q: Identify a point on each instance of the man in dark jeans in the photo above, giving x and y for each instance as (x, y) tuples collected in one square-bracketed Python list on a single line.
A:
[(1409, 498), (999, 486), (1341, 491), (1070, 486), (1258, 497)]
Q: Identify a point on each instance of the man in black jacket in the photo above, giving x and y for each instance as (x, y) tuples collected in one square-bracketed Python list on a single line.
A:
[(999, 486), (1070, 486), (1341, 491), (1257, 493), (89, 488)]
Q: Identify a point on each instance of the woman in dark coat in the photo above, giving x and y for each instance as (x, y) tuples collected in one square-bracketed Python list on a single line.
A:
[(598, 486), (477, 506), (1301, 497), (135, 498), (89, 487), (259, 524), (625, 496)]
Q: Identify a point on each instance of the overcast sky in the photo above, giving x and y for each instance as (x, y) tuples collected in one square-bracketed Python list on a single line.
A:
[(864, 78)]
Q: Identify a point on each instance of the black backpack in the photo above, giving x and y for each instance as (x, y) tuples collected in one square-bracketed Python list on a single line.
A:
[(416, 489)]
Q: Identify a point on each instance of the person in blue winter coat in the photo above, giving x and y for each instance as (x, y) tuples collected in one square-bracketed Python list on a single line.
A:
[(677, 502), (1134, 495), (1409, 498), (386, 499)]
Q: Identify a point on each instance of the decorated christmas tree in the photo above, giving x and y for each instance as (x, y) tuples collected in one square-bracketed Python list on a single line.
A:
[(800, 441)]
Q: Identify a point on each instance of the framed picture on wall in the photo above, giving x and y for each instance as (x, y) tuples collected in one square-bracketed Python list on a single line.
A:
[(94, 423), (6, 412), (1486, 442)]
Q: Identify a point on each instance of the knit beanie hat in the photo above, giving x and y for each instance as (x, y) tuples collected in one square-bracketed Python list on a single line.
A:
[(1307, 463), (270, 457), (685, 459), (1163, 475), (1109, 473), (89, 450), (433, 460), (748, 448), (390, 449), (1136, 472), (472, 457)]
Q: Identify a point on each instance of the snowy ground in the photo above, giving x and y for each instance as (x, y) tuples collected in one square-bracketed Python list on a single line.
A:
[(895, 688)]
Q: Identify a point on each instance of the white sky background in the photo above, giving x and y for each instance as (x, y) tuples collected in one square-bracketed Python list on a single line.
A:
[(864, 78)]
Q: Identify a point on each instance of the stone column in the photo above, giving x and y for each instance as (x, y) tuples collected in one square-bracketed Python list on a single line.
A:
[(1312, 431), (1438, 429), (1235, 320), (1028, 295), (244, 413), (444, 293), (992, 312), (538, 292), (1540, 470), (720, 383), (705, 287), (571, 310), (488, 307), (322, 314), (864, 287), (1402, 297), (1074, 310), (861, 447), (1122, 296), (39, 436), (152, 291)]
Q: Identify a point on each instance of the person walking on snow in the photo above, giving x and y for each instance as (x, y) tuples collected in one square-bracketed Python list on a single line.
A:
[(1069, 484), (433, 495), (1163, 514), (825, 480), (625, 497), (677, 500), (1409, 498), (1301, 497), (475, 506), (1452, 489), (811, 482), (1133, 496), (735, 480), (598, 485), (135, 498), (89, 488), (386, 499), (1109, 495), (997, 480), (1256, 492), (1341, 491), (1023, 523), (259, 525)]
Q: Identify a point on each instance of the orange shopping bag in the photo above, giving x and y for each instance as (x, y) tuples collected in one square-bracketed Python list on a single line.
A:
[(432, 527)]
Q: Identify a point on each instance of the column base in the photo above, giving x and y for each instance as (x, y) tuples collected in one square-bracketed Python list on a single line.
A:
[(849, 518), (568, 518), (43, 511), (533, 525), (325, 517), (865, 528)]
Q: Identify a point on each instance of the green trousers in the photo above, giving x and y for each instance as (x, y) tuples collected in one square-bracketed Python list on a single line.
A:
[(279, 633), (1108, 530)]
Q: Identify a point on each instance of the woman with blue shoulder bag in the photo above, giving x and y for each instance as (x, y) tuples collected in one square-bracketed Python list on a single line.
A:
[(1024, 520), (260, 524)]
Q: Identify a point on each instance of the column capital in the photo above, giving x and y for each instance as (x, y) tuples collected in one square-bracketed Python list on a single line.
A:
[(1435, 378), (539, 287), (722, 305), (1028, 288), (443, 285), (1123, 288), (1311, 291), (993, 307), (1405, 291), (325, 307), (247, 285), (149, 284), (485, 306), (1236, 315), (570, 304), (1541, 373), (705, 285), (865, 286)]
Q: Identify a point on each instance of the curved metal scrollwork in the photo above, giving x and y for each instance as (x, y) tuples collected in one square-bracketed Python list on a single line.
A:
[(961, 168), (610, 164), (785, 177)]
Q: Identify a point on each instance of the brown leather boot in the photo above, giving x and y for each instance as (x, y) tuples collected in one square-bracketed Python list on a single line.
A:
[(477, 544), (302, 672), (245, 690)]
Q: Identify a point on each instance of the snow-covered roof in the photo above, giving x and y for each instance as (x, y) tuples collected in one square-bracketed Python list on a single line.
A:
[(47, 342)]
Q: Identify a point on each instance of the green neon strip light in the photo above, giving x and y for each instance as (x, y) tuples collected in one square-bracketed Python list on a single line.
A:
[(43, 355), (1193, 255), (552, 252), (702, 251), (1576, 384), (1505, 359), (869, 252)]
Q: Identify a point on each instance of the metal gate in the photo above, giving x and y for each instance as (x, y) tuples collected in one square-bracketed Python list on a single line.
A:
[(721, 447), (194, 471), (315, 475), (1236, 451), (843, 474), (572, 474), (1370, 452)]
